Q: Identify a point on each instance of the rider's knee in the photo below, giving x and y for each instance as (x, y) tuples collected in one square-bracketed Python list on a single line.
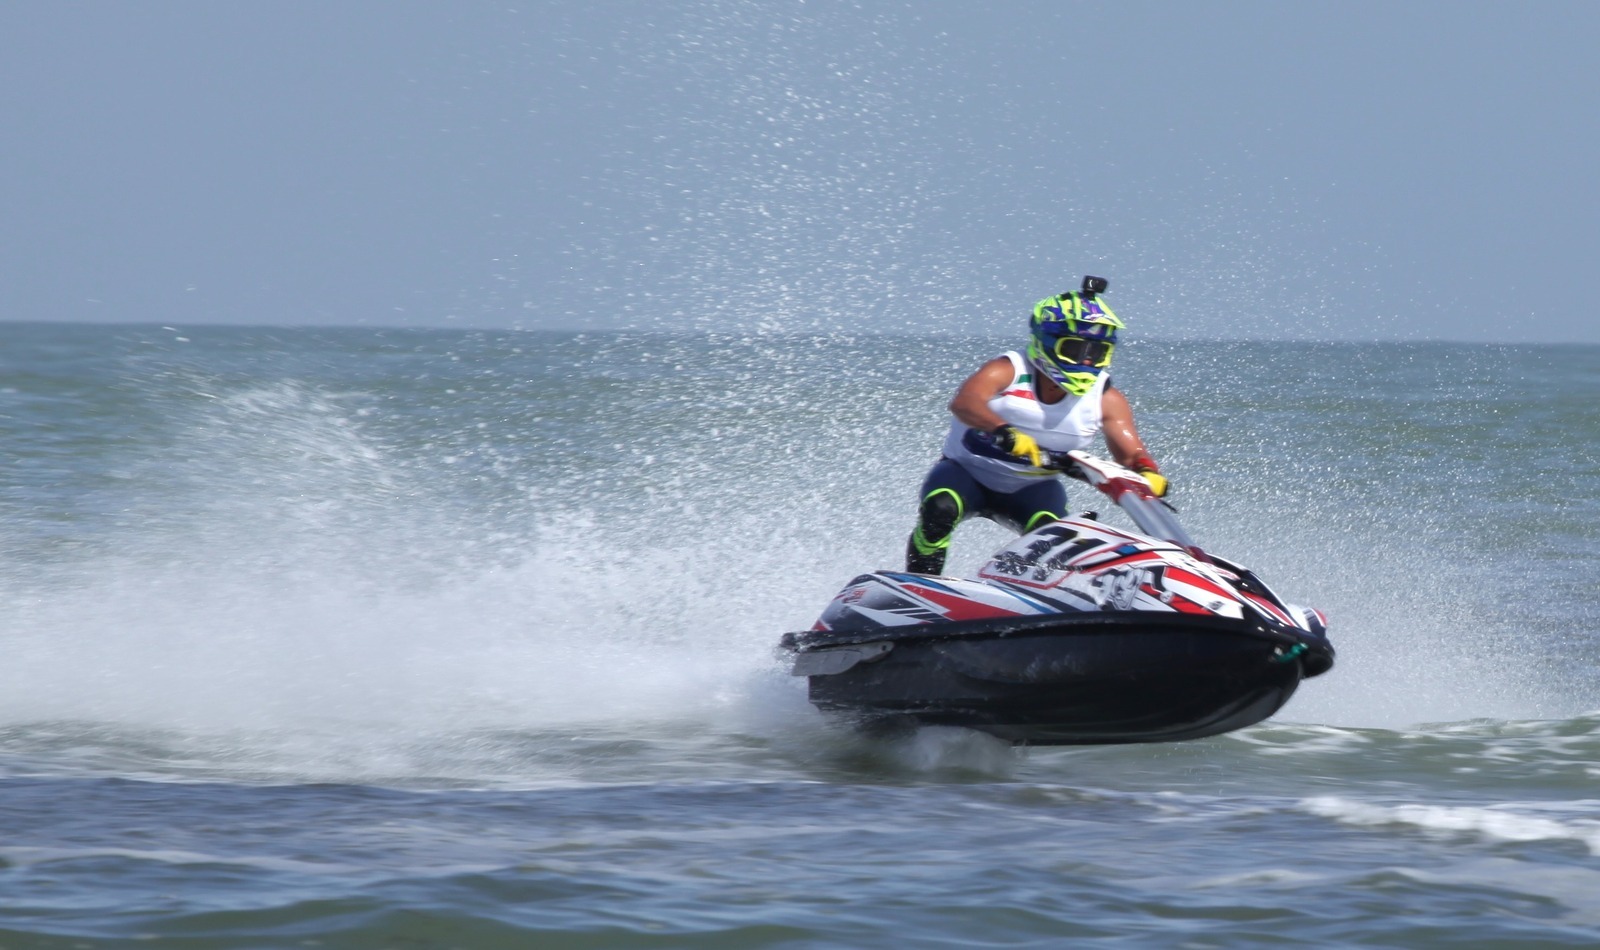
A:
[(941, 511)]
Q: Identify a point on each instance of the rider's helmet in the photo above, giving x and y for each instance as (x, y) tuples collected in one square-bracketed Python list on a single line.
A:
[(1073, 337)]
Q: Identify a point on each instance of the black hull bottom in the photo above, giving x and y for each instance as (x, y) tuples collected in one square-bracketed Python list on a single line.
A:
[(1091, 682)]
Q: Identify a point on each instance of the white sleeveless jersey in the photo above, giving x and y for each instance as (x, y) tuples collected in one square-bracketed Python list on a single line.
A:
[(1063, 426)]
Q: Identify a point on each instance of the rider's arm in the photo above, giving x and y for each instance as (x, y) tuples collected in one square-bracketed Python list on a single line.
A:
[(1122, 436), (971, 401)]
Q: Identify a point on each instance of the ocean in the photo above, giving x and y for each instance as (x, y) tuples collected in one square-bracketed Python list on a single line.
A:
[(388, 638)]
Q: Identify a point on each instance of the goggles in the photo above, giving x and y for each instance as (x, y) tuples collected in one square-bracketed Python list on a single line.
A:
[(1081, 352)]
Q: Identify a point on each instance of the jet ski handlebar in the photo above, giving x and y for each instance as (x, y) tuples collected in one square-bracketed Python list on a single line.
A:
[(1130, 492)]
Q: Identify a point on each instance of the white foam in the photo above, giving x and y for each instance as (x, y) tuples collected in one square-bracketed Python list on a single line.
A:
[(299, 581), (1526, 821), (940, 748)]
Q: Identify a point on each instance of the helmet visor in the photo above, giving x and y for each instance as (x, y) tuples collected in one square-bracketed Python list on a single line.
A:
[(1077, 350)]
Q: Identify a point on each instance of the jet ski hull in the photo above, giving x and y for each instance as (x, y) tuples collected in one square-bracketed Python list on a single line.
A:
[(1109, 677)]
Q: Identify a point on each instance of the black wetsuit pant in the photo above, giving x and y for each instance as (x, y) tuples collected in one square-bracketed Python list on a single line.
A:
[(950, 495)]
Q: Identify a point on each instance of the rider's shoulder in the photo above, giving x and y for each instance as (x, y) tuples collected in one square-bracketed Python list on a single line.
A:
[(1002, 363)]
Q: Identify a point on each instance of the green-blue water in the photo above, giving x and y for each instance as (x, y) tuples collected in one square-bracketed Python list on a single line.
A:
[(361, 638)]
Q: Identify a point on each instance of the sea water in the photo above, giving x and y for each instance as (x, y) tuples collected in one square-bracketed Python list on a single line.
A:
[(426, 638)]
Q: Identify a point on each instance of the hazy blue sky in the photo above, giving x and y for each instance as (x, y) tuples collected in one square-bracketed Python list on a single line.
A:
[(1345, 170)]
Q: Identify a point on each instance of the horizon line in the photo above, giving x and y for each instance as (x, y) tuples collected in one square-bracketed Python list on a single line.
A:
[(752, 331)]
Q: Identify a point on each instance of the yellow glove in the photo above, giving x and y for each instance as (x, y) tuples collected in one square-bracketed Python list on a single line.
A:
[(1146, 467), (1021, 444)]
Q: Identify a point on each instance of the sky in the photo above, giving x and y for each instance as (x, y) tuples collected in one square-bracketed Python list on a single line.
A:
[(1345, 170)]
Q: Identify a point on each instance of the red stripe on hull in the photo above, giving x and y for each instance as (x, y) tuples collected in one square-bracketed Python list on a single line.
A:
[(1271, 608), (959, 608), (1195, 580), (1124, 561)]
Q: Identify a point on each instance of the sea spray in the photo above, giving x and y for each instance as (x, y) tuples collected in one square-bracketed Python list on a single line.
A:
[(385, 543)]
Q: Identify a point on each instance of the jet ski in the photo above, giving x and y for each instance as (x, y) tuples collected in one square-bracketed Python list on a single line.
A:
[(1077, 633)]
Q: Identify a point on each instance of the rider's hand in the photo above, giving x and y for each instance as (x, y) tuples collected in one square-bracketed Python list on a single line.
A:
[(1021, 444), (1146, 467)]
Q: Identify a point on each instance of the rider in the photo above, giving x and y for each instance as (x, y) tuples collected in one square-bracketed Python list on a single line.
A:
[(1013, 411)]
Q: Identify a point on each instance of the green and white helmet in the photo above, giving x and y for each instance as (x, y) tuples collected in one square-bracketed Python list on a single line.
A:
[(1072, 338)]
